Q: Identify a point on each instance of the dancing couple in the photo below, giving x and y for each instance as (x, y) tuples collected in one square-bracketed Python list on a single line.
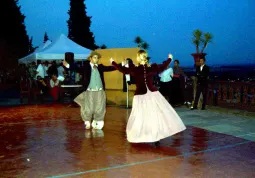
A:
[(152, 118)]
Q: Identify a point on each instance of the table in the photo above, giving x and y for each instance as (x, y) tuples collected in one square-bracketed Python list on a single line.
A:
[(72, 87)]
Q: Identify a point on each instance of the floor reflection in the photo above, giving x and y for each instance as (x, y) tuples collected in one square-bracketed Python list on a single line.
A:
[(199, 143), (13, 149), (41, 141)]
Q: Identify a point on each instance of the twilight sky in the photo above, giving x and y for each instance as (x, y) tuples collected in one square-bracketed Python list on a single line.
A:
[(167, 26)]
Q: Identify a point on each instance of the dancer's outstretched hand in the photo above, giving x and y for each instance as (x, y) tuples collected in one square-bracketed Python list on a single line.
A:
[(111, 60), (170, 56), (65, 63)]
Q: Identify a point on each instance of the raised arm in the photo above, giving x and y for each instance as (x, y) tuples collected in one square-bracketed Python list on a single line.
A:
[(73, 67), (161, 67), (120, 68), (108, 68)]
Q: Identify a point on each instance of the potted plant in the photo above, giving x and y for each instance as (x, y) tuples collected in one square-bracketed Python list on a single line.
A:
[(200, 39)]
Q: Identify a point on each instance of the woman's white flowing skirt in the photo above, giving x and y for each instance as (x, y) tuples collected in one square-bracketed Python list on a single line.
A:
[(152, 118)]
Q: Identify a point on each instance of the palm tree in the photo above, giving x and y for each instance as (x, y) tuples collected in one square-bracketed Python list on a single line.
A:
[(145, 45), (141, 44), (138, 40), (200, 37), (197, 39), (207, 39)]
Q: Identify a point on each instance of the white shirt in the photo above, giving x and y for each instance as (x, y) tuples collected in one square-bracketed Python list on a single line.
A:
[(53, 84), (46, 70), (127, 75), (166, 75), (92, 65), (60, 71), (201, 67), (77, 77), (40, 70)]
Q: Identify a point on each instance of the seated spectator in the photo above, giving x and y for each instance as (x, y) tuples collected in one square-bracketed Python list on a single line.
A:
[(54, 87), (42, 86)]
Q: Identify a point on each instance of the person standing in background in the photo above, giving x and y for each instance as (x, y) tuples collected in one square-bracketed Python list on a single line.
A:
[(178, 84), (166, 84), (202, 74)]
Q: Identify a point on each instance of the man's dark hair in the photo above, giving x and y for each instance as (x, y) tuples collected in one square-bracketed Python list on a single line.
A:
[(176, 60), (203, 58), (129, 61)]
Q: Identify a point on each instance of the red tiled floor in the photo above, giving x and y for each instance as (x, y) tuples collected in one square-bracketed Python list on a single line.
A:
[(41, 141)]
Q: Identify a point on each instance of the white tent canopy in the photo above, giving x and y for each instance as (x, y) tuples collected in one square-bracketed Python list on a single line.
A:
[(56, 51), (31, 57), (44, 45)]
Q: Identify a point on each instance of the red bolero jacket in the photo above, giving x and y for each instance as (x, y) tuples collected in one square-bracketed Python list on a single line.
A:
[(143, 75)]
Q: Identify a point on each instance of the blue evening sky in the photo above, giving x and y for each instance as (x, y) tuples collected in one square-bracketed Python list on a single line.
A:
[(167, 26)]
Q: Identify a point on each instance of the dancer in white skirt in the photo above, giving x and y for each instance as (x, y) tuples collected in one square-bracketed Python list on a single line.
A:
[(152, 118)]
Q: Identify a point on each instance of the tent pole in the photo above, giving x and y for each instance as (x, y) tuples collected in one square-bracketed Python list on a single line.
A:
[(127, 94)]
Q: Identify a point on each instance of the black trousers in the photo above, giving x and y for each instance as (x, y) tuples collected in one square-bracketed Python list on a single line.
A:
[(201, 88), (166, 90), (177, 90)]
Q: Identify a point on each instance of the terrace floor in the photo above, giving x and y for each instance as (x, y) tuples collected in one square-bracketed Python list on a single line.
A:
[(50, 141)]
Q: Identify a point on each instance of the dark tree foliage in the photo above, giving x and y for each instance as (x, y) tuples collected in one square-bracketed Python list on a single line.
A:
[(31, 47), (45, 38), (14, 41), (103, 46), (79, 25)]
